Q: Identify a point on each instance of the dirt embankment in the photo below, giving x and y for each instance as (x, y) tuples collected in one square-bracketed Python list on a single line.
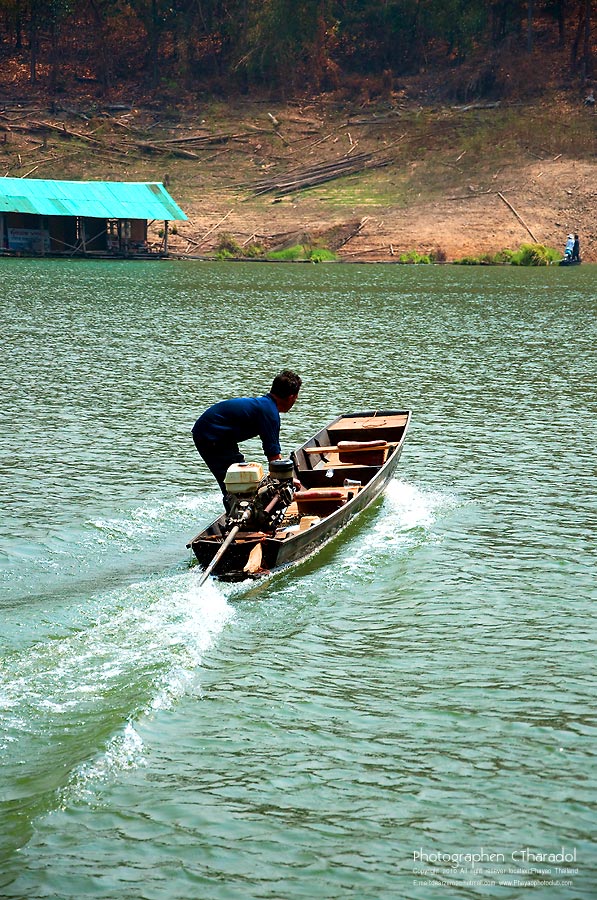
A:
[(541, 203), (370, 181), (448, 181)]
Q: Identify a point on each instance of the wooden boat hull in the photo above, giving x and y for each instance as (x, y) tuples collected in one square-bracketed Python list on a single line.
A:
[(321, 472)]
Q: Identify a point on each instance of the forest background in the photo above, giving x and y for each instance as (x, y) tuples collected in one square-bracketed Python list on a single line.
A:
[(379, 129)]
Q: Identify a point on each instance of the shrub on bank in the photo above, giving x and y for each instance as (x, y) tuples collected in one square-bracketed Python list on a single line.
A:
[(413, 257), (228, 248), (301, 252), (527, 255), (535, 255), (501, 258)]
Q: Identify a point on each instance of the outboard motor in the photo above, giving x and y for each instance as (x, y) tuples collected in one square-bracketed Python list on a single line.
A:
[(257, 503)]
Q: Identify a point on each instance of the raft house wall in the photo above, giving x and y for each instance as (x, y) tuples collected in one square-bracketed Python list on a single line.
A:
[(35, 235)]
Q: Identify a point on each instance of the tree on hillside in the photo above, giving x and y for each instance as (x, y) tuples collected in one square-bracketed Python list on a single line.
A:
[(284, 44), (151, 16), (582, 63), (100, 15), (46, 17), (285, 41), (13, 21), (56, 13), (556, 9)]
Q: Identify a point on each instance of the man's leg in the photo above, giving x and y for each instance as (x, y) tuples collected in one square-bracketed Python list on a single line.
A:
[(218, 458)]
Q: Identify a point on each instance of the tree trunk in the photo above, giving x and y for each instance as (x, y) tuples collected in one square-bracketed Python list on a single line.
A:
[(105, 75), (577, 38), (154, 43), (587, 63), (209, 36), (530, 10), (33, 45), (561, 24), (54, 57), (18, 30), (582, 36)]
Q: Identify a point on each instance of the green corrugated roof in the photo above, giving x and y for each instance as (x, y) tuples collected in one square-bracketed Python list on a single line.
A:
[(95, 199)]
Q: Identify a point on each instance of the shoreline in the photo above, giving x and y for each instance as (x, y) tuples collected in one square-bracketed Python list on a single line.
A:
[(182, 257)]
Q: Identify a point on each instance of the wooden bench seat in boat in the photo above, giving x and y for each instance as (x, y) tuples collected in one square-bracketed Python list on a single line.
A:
[(388, 425), (359, 463), (363, 453)]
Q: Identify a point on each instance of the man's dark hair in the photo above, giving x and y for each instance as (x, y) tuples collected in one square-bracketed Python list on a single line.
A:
[(286, 384)]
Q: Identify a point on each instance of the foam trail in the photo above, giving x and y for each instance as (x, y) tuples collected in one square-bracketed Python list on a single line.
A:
[(147, 522), (124, 751), (408, 514), (54, 559), (139, 655)]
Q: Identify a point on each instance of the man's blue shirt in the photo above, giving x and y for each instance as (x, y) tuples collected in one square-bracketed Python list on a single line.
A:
[(237, 420)]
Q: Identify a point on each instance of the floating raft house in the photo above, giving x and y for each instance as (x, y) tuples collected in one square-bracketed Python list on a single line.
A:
[(83, 218)]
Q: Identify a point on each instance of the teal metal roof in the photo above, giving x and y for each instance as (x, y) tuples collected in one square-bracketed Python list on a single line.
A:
[(95, 199)]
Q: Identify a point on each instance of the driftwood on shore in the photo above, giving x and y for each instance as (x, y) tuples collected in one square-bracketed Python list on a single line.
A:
[(182, 146), (319, 174), (518, 216), (207, 141)]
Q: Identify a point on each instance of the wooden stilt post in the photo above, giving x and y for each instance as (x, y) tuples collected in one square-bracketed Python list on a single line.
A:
[(166, 223)]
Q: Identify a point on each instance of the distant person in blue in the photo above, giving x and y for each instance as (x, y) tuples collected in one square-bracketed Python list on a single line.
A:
[(569, 248), (218, 432)]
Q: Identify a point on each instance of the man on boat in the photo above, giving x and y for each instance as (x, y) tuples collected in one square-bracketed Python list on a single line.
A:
[(576, 249), (218, 432), (569, 247)]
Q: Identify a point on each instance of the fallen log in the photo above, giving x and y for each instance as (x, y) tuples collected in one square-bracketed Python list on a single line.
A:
[(208, 140), (518, 216), (149, 147), (311, 178), (354, 233), (36, 127)]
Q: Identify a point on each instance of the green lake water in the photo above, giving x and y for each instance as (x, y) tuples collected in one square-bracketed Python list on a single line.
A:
[(409, 714)]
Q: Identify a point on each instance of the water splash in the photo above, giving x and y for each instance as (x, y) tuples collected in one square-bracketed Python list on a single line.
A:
[(406, 519)]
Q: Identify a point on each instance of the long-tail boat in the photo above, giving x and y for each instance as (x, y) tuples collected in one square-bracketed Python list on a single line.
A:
[(271, 523)]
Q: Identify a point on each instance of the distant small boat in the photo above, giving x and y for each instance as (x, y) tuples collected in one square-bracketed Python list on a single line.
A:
[(342, 469), (570, 262)]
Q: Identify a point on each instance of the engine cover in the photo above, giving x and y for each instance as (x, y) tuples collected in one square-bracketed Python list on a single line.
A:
[(263, 508)]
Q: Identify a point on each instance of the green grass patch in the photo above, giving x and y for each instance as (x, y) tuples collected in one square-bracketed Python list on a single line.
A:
[(300, 252), (535, 255), (526, 255), (289, 254), (413, 257), (372, 188), (321, 254)]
